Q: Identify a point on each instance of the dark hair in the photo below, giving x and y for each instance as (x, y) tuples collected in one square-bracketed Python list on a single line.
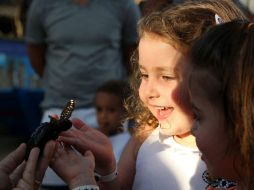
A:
[(180, 26), (226, 54), (118, 88)]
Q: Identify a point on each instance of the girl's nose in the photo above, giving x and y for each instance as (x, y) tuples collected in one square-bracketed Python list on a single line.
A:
[(103, 114), (151, 90)]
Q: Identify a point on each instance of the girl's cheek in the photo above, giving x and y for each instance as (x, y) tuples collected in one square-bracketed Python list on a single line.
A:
[(141, 93)]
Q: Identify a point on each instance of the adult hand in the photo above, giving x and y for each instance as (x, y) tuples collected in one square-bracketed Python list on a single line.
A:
[(17, 174), (84, 138), (75, 169)]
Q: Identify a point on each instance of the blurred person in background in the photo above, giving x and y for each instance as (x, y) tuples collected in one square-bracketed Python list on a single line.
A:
[(247, 7), (75, 46), (111, 113), (146, 6)]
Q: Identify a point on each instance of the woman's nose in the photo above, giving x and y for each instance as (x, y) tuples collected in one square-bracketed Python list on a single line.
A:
[(194, 128)]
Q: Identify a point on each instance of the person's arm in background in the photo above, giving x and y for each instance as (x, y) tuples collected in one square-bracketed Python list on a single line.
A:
[(247, 7), (36, 55), (35, 36), (129, 33)]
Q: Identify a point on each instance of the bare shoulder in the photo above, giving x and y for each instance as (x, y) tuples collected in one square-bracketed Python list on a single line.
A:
[(127, 163)]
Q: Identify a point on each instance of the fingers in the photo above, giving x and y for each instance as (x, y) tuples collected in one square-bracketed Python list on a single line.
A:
[(72, 141), (65, 157), (15, 158), (74, 135), (80, 140), (17, 174), (61, 151), (30, 169), (55, 162), (89, 155), (85, 140), (53, 115), (25, 174), (49, 150), (27, 180), (68, 133), (45, 160), (78, 124)]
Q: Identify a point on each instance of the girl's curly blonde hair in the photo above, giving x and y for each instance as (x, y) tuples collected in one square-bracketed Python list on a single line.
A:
[(180, 26)]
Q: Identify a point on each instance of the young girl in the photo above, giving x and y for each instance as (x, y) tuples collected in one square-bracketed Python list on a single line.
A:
[(163, 153), (109, 104), (110, 113), (222, 91)]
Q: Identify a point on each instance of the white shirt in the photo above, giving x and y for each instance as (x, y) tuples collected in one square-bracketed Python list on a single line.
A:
[(168, 165)]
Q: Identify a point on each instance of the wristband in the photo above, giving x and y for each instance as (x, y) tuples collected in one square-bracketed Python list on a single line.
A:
[(87, 187), (106, 178)]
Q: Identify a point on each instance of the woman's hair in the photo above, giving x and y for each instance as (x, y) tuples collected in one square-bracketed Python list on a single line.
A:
[(226, 54), (180, 26)]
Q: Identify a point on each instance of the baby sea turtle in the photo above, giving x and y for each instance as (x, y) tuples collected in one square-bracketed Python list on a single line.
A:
[(50, 130)]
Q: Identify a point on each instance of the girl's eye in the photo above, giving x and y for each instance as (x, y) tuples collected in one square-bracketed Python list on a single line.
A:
[(98, 109), (112, 110), (168, 77)]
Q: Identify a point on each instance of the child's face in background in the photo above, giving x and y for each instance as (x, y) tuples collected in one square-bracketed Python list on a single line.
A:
[(209, 129), (109, 111), (159, 89)]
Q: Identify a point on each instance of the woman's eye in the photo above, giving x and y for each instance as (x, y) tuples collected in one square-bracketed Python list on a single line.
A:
[(195, 127), (143, 76), (196, 117)]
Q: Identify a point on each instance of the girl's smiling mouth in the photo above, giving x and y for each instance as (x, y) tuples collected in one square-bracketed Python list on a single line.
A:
[(163, 112)]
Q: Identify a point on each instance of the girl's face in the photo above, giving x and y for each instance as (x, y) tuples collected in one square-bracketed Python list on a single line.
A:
[(109, 111), (160, 88), (209, 130)]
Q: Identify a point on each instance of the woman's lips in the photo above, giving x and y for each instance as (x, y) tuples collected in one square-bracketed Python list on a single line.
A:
[(202, 157)]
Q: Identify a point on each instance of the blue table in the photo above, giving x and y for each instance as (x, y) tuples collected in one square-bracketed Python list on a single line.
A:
[(20, 110), (11, 47), (19, 106)]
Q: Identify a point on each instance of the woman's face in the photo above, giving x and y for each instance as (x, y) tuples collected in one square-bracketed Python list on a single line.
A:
[(209, 129), (160, 88)]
